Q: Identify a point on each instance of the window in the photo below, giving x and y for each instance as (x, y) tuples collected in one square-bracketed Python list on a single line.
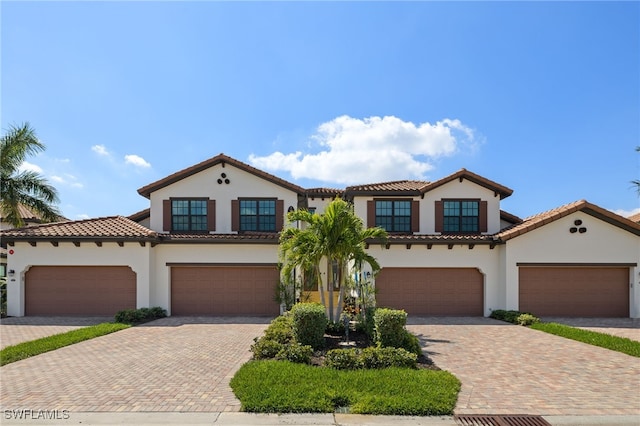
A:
[(393, 216), (461, 216), (189, 215), (258, 215)]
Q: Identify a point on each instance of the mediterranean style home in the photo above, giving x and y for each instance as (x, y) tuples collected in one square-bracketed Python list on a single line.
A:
[(208, 245)]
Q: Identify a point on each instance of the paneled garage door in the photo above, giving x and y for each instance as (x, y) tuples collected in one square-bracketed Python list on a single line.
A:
[(431, 291), (574, 291), (79, 290), (224, 290)]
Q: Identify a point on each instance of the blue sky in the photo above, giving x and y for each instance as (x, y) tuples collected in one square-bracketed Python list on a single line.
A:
[(541, 97)]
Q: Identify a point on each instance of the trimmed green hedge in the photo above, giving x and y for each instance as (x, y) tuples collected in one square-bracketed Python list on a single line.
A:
[(309, 324)]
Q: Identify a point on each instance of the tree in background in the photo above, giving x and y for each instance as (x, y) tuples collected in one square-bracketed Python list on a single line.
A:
[(23, 187)]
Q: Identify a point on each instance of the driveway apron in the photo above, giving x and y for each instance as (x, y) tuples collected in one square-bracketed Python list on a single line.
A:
[(172, 364), (510, 369)]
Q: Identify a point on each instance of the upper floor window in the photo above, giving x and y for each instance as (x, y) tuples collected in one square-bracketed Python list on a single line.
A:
[(393, 215), (258, 215), (189, 215), (461, 216)]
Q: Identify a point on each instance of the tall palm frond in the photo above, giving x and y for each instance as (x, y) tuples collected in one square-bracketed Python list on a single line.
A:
[(23, 187)]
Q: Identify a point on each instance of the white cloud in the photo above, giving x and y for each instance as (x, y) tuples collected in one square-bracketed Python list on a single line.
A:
[(100, 150), (68, 180), (82, 216), (627, 213), (372, 149), (26, 166), (136, 160)]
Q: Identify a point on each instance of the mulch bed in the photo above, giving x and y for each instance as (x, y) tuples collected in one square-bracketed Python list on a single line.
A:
[(359, 340)]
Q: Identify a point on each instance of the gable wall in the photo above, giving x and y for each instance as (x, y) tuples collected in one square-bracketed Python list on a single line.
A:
[(204, 184), (553, 243), (454, 189)]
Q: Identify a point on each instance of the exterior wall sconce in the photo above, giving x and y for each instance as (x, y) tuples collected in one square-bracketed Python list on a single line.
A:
[(11, 272)]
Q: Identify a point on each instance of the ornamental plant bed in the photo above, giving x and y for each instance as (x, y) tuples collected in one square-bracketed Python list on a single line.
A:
[(359, 340)]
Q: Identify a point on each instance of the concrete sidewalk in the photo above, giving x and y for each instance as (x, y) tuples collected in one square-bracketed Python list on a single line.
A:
[(248, 419)]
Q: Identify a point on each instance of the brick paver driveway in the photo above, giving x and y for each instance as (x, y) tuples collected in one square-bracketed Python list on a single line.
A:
[(509, 369), (172, 364), (14, 330)]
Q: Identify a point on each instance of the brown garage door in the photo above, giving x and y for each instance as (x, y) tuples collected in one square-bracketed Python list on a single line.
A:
[(225, 291), (431, 291), (574, 291), (79, 290)]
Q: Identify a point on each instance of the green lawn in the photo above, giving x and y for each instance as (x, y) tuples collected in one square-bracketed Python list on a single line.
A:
[(35, 347), (614, 343), (285, 387)]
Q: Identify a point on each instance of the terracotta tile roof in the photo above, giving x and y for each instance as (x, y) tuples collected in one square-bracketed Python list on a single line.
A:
[(393, 187), (141, 215), (29, 215), (104, 228), (146, 191), (248, 237), (541, 219), (635, 218), (461, 174), (441, 238), (324, 192), (508, 217)]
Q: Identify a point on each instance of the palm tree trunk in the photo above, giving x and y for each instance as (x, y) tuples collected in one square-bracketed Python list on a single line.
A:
[(330, 286), (320, 286), (342, 289)]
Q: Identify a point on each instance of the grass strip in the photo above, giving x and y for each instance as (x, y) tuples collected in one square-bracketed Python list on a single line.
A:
[(614, 343), (35, 347), (285, 387)]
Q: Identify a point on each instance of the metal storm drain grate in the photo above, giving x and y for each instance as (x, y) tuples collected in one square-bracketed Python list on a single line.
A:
[(491, 420)]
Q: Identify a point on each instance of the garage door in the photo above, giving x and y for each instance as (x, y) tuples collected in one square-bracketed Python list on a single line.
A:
[(225, 291), (79, 290), (431, 291), (574, 291)]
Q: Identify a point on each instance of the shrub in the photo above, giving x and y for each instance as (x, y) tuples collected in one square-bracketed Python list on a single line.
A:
[(266, 348), (385, 357), (514, 317), (137, 316), (411, 343), (335, 327), (389, 327), (295, 352), (365, 323), (343, 359), (527, 319), (309, 324), (280, 329)]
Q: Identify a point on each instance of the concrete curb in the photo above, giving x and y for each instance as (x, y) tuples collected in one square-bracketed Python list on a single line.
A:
[(61, 418)]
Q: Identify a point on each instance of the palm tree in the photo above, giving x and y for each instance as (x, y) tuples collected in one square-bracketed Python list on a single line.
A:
[(23, 187), (338, 236)]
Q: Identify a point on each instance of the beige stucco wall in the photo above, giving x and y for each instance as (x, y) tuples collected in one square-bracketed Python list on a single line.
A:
[(66, 254), (205, 254), (553, 243), (483, 258), (453, 189), (205, 184)]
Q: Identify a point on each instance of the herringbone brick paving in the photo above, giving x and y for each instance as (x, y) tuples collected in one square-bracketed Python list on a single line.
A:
[(509, 369), (173, 364)]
